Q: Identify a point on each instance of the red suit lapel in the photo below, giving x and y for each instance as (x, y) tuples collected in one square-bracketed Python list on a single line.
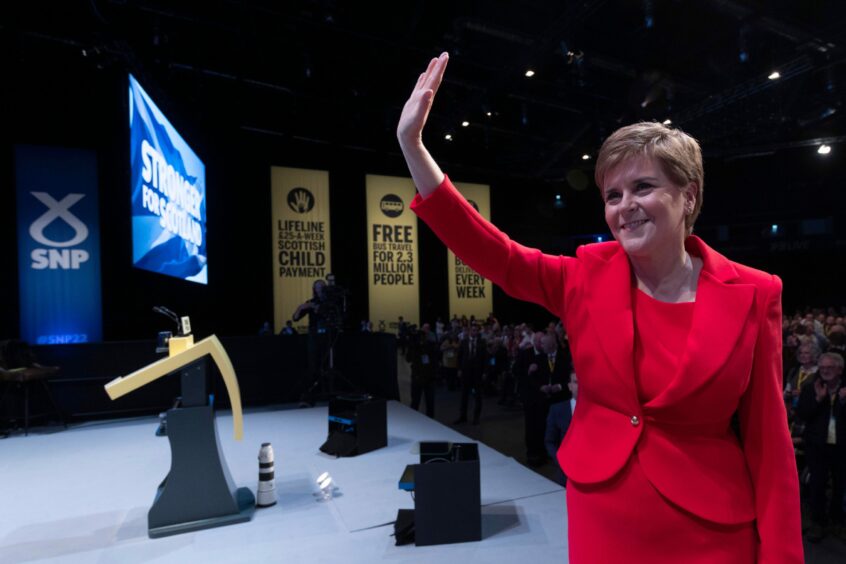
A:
[(720, 314)]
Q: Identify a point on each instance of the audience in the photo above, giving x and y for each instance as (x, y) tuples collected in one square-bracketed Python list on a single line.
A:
[(815, 396)]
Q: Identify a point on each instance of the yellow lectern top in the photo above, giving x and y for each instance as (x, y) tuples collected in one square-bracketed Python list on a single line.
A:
[(210, 345)]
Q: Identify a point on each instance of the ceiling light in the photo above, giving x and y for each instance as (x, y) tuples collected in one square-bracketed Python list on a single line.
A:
[(489, 114), (585, 157), (558, 203), (667, 121), (465, 123), (824, 149), (530, 73), (448, 136), (775, 75)]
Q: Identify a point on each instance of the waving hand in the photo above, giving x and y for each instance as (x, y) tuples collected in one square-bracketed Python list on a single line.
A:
[(425, 172)]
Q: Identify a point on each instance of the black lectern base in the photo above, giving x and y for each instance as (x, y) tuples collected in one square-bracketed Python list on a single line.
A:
[(198, 492), (246, 508)]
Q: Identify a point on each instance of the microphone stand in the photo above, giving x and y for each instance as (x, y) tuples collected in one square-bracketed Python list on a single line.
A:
[(170, 315)]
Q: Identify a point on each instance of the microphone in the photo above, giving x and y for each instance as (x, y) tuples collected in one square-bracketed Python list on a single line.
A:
[(170, 315), (168, 312)]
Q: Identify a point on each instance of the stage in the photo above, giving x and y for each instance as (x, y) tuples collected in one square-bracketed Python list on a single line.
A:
[(82, 495)]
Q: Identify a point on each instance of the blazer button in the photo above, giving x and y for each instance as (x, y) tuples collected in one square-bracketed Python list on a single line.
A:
[(635, 421)]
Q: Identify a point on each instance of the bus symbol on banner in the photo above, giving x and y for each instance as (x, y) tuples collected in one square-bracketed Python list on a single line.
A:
[(391, 205), (59, 257)]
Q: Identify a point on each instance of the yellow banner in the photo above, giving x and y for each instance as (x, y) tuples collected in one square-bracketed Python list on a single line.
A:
[(469, 293), (301, 242), (392, 264)]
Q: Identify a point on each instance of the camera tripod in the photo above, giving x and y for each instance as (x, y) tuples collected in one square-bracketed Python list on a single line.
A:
[(325, 386)]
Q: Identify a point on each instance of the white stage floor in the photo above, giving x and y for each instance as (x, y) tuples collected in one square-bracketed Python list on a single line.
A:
[(82, 495)]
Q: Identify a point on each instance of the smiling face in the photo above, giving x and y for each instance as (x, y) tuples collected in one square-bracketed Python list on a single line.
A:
[(644, 209), (831, 368), (676, 153)]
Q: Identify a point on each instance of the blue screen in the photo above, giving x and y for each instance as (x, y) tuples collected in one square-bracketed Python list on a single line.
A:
[(168, 194)]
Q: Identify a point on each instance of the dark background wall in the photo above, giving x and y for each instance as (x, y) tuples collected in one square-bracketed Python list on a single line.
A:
[(57, 97)]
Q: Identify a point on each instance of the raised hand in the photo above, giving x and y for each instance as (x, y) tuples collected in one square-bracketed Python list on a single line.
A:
[(425, 172), (416, 109)]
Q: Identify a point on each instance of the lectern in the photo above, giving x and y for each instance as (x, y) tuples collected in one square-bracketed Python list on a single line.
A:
[(198, 492)]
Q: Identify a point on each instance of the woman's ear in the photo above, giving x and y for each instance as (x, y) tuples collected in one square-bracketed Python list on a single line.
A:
[(690, 193)]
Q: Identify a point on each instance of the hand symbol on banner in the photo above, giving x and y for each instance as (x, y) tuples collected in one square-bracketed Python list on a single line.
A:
[(301, 201)]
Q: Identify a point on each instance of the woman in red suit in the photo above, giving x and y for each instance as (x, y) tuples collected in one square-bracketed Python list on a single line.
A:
[(670, 340)]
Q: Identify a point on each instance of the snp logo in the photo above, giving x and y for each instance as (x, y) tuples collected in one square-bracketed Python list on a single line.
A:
[(58, 257)]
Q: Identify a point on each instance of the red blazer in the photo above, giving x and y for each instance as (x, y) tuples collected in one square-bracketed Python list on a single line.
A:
[(682, 438)]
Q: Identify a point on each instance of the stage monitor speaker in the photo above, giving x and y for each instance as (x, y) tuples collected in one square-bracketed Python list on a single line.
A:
[(447, 495), (357, 424)]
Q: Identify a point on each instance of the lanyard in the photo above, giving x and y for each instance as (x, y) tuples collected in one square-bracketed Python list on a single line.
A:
[(802, 377)]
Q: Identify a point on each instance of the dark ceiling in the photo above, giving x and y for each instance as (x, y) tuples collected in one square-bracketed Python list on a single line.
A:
[(338, 72)]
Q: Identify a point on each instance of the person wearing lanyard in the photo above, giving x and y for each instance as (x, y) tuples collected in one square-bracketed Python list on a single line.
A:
[(547, 386), (823, 407), (806, 355)]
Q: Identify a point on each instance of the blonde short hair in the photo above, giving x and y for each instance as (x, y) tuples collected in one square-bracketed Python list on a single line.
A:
[(678, 153)]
